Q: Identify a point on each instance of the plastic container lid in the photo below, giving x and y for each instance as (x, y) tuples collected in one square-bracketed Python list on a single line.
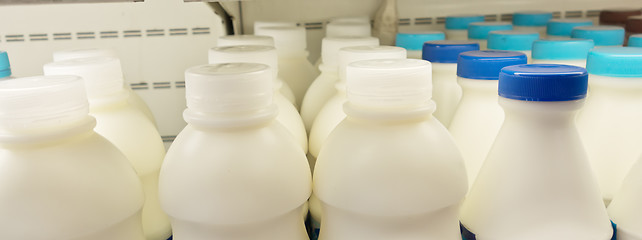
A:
[(262, 24), (543, 82), (634, 24), (103, 76), (237, 40), (83, 53), (246, 54), (615, 62), (348, 29), (532, 18), (228, 87), (617, 16), (286, 39), (572, 49), (447, 51), (330, 48), (512, 40), (5, 66), (601, 35), (563, 27), (485, 65), (414, 41), (635, 40), (480, 30), (349, 55), (461, 22)]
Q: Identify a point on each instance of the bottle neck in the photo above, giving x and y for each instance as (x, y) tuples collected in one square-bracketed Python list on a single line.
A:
[(478, 88), (389, 115), (540, 115), (615, 87), (43, 134), (230, 120)]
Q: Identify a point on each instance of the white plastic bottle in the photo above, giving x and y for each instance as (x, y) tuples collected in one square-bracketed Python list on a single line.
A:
[(457, 25), (478, 116), (610, 122), (133, 98), (562, 28), (234, 172), (478, 31), (570, 52), (445, 90), (323, 88), (602, 36), (60, 179), (414, 41), (287, 113), (537, 182), (532, 21), (125, 126), (635, 40), (5, 66), (625, 209), (389, 170), (513, 40)]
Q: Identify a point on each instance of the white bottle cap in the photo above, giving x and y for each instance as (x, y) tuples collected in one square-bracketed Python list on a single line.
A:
[(236, 40), (349, 55), (348, 29), (103, 76), (389, 83), (246, 54), (40, 102), (286, 39), (330, 48), (228, 87), (355, 19), (83, 53), (262, 24)]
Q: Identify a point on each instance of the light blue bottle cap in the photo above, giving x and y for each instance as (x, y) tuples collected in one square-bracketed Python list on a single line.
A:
[(512, 40), (563, 27), (615, 62), (480, 30), (635, 40), (602, 35), (531, 18), (5, 67), (415, 41), (485, 65), (572, 49), (543, 82), (461, 22)]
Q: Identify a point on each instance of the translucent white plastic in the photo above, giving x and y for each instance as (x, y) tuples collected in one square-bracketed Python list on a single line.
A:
[(456, 34), (610, 128), (445, 91), (536, 182), (579, 63), (625, 209), (539, 29), (476, 122)]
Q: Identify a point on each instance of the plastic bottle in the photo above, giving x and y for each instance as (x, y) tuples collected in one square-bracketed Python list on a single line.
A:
[(5, 66), (478, 116), (457, 26), (625, 210), (633, 26), (287, 113), (323, 88), (602, 36), (134, 99), (562, 28), (125, 126), (234, 172), (263, 24), (618, 16), (389, 170), (532, 21), (478, 31), (536, 182), (60, 179), (445, 90), (635, 40), (513, 40), (414, 41), (294, 67), (610, 122), (569, 52)]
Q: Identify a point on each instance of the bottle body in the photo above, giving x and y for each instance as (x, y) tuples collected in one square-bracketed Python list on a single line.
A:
[(298, 73), (457, 34), (317, 95), (289, 117), (446, 92), (138, 102), (624, 210)]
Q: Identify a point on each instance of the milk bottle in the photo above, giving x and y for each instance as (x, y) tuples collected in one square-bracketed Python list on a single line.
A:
[(625, 210), (414, 41), (5, 66), (513, 40), (532, 21), (457, 26), (569, 52), (602, 36), (562, 28), (478, 31)]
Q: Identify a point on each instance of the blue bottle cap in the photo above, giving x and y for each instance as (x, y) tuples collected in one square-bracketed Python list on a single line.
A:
[(447, 51), (480, 30), (461, 22), (531, 18), (416, 40), (572, 49), (635, 40), (512, 40), (563, 27), (601, 35), (543, 82), (615, 62), (5, 67), (485, 65)]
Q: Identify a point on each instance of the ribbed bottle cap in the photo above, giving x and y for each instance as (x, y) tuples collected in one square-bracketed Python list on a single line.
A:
[(512, 40), (447, 51), (460, 22), (617, 16), (262, 24), (543, 82), (563, 27), (5, 66), (330, 48), (601, 35), (286, 39), (615, 62), (83, 53), (572, 49), (246, 54), (389, 83), (237, 40), (634, 24), (103, 76), (480, 30), (485, 65), (228, 87), (414, 41), (357, 19), (349, 55), (348, 29), (532, 18), (635, 40), (42, 101)]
